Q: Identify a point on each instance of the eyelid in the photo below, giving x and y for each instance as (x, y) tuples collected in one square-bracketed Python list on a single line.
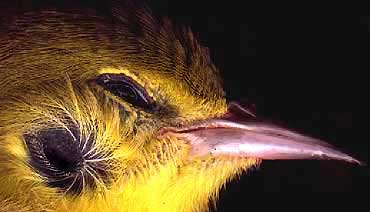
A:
[(121, 78)]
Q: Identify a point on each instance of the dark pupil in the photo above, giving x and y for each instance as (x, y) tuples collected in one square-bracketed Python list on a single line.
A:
[(126, 89)]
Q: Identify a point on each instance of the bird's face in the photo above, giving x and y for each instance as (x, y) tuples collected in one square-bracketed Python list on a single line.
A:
[(115, 111)]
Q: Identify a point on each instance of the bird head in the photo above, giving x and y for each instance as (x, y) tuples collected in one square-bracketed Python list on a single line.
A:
[(106, 107)]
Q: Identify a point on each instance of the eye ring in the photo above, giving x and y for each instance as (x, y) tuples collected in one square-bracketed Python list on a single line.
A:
[(126, 89)]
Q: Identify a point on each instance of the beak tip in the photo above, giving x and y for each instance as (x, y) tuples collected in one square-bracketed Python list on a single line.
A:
[(358, 162), (353, 161)]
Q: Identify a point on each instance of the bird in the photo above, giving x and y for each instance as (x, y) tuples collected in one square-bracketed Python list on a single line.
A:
[(107, 106)]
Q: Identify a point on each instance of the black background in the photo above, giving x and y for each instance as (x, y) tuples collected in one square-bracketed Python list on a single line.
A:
[(299, 66)]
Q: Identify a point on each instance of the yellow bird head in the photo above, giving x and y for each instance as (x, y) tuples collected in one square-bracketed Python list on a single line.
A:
[(106, 107)]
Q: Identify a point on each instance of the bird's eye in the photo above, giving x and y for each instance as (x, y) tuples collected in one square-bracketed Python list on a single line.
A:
[(126, 89)]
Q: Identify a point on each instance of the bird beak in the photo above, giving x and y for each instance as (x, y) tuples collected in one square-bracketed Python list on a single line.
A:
[(235, 135)]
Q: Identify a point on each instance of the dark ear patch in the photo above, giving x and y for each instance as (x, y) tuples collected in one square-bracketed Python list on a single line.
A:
[(61, 150), (65, 160)]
